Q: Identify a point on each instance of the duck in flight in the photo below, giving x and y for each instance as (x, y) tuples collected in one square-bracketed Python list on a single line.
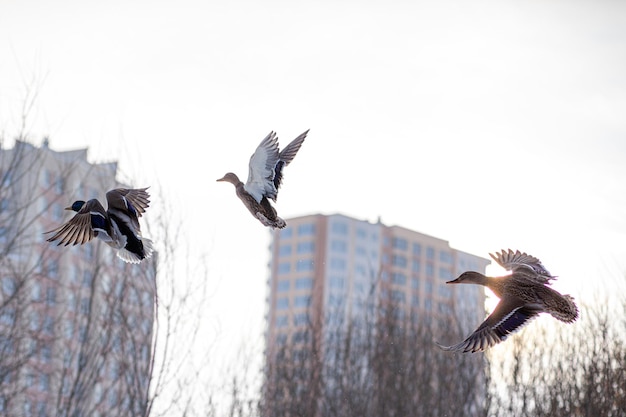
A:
[(264, 178), (118, 226), (524, 293)]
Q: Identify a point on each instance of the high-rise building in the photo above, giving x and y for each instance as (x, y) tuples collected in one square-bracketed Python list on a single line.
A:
[(333, 265), (75, 322), (328, 272)]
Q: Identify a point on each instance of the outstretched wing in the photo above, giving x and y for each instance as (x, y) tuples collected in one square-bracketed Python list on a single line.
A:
[(261, 169), (285, 157), (135, 201), (79, 229), (506, 318), (518, 262), (127, 205)]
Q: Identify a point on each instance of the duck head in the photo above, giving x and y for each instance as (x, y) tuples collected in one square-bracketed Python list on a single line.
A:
[(76, 205), (231, 178), (469, 277)]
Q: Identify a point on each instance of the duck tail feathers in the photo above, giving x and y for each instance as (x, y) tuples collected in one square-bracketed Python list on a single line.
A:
[(134, 258)]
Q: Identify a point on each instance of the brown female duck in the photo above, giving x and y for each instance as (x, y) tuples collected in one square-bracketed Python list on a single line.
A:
[(264, 178), (523, 295)]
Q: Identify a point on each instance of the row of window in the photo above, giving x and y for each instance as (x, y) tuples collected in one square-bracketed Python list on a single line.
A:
[(403, 245), (305, 283), (302, 265), (300, 301), (301, 248), (298, 320), (336, 228)]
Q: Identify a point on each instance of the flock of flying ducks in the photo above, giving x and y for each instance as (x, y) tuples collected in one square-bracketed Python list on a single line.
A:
[(524, 293)]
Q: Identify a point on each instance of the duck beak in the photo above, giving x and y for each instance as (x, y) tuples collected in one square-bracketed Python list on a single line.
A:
[(454, 281), (221, 179), (67, 208)]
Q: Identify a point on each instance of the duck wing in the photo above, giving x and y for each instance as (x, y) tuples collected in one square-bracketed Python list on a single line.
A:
[(263, 161), (128, 204), (135, 201), (521, 262), (285, 157), (83, 226), (508, 317)]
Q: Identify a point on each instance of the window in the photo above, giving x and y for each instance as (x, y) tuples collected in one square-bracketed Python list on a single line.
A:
[(46, 353), (361, 233), (399, 260), (53, 268), (46, 178), (286, 233), (71, 301), (304, 283), (281, 339), (445, 273), (360, 251), (282, 321), (44, 382), (444, 291), (338, 264), (338, 246), (399, 243), (306, 247), (48, 325), (51, 296), (305, 265), (59, 185), (282, 303), (307, 229), (284, 267), (87, 277), (415, 300), (417, 249), (300, 319), (302, 301), (283, 285), (398, 278), (445, 257), (429, 287), (337, 282), (398, 296), (339, 228), (7, 316), (57, 212), (69, 329), (8, 286), (284, 250), (430, 253), (112, 398), (35, 319), (416, 265), (84, 305), (415, 283), (430, 270), (88, 249)]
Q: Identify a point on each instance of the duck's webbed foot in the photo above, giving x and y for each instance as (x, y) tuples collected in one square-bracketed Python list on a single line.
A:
[(276, 224)]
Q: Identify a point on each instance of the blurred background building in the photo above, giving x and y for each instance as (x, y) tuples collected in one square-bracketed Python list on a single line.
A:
[(332, 273), (75, 322)]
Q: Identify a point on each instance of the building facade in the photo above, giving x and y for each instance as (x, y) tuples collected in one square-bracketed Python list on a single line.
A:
[(75, 322), (331, 276)]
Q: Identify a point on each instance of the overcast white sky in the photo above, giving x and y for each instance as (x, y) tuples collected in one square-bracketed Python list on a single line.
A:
[(491, 124)]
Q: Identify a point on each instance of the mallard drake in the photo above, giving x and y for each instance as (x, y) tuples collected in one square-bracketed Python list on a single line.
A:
[(264, 178), (523, 295), (118, 226)]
